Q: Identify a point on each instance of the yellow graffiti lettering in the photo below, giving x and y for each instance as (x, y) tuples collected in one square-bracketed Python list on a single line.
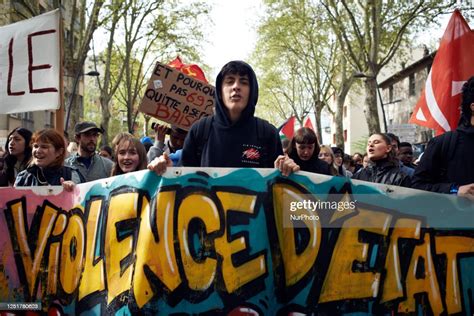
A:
[(158, 255), (296, 266), (451, 246), (404, 228), (428, 284), (341, 281), (118, 248), (31, 264), (72, 254), (53, 262), (237, 276), (93, 278), (200, 275)]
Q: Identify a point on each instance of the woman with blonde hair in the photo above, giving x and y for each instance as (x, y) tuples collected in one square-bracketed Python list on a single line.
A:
[(326, 154)]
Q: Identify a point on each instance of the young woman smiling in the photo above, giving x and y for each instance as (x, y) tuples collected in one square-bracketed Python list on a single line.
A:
[(383, 167), (130, 155), (47, 164)]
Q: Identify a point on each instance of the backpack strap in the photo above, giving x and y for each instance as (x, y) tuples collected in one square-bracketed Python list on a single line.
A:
[(202, 134)]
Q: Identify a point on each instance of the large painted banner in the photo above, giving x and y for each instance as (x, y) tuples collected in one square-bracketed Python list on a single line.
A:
[(30, 62), (235, 242)]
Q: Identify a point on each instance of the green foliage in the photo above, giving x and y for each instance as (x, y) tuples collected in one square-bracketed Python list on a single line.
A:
[(143, 32), (295, 58), (360, 145)]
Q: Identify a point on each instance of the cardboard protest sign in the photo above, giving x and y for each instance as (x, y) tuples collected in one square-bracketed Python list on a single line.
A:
[(235, 242), (30, 60), (175, 98)]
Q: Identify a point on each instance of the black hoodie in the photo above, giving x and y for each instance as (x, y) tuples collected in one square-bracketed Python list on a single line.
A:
[(236, 145)]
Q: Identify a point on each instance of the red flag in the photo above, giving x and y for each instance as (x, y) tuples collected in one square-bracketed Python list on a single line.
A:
[(191, 70), (308, 123), (288, 129), (439, 105), (176, 63)]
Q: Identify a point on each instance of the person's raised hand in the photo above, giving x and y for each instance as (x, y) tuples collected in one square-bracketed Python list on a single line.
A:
[(159, 164), (160, 132)]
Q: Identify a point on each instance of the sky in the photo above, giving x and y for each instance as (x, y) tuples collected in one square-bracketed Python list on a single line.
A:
[(234, 33)]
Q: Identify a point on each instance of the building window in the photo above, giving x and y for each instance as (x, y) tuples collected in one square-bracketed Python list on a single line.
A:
[(411, 85), (345, 135), (344, 111), (390, 93)]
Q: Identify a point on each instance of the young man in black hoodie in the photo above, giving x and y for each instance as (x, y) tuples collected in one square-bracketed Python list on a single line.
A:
[(447, 165), (233, 137)]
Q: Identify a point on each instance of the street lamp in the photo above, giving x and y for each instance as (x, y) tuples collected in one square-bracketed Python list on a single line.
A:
[(363, 75), (91, 73)]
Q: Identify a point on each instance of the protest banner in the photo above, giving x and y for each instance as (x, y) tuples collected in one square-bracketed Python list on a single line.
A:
[(176, 98), (30, 61), (239, 242)]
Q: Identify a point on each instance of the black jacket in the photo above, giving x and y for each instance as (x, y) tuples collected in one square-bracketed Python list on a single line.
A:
[(384, 171), (438, 171), (230, 144), (36, 176), (314, 165)]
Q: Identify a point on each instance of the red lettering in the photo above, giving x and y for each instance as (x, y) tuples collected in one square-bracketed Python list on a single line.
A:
[(162, 111), (32, 68), (10, 71), (176, 115)]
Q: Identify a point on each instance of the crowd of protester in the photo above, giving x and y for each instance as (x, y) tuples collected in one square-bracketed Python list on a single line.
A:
[(234, 137)]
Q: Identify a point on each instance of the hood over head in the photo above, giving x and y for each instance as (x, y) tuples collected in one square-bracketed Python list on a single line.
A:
[(241, 68)]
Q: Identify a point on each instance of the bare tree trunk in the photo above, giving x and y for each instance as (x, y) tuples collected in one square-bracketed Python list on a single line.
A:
[(339, 139), (371, 110), (318, 130), (145, 128), (80, 53), (104, 104)]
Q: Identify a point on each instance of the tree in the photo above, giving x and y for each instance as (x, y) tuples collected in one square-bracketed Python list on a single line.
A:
[(77, 48), (342, 85), (371, 32), (298, 69), (149, 31)]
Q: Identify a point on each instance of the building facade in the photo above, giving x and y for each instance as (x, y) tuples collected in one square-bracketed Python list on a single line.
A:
[(400, 87)]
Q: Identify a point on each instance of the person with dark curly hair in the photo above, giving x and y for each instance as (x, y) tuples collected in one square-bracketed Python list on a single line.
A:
[(17, 155)]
